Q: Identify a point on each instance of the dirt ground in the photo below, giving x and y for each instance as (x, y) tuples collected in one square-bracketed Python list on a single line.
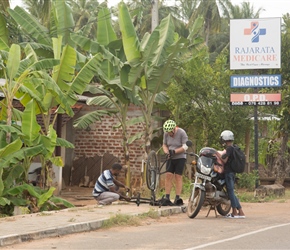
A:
[(79, 196)]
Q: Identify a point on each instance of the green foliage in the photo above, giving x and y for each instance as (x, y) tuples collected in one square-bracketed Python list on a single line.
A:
[(34, 198), (247, 181), (246, 196), (45, 85), (187, 187), (205, 110), (263, 151)]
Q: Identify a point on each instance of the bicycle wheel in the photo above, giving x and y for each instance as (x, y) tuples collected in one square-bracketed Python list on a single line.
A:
[(151, 171)]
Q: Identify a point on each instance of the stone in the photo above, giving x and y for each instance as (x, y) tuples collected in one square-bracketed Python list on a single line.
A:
[(275, 190)]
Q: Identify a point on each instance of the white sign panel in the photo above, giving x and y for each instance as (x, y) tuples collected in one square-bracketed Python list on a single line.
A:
[(255, 43), (255, 99)]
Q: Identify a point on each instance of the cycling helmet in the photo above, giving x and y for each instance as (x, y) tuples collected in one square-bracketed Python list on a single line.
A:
[(169, 125), (226, 135)]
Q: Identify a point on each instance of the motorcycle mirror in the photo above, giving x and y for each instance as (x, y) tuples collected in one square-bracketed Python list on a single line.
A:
[(189, 143)]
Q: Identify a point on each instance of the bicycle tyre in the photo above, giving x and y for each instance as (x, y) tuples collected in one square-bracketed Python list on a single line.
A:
[(151, 171)]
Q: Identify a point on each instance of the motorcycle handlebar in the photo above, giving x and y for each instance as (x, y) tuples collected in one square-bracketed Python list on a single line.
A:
[(191, 154)]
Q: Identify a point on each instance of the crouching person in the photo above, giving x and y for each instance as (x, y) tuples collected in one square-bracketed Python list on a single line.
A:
[(106, 189)]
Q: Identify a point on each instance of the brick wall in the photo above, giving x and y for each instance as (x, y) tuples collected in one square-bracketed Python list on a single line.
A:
[(101, 137)]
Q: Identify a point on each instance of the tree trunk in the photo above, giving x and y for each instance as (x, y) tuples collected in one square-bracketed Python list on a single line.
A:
[(127, 161), (280, 163)]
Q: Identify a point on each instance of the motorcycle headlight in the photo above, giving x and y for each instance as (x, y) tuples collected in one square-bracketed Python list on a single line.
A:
[(204, 165), (205, 169)]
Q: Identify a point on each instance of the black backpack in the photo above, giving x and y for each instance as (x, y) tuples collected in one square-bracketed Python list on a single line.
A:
[(238, 162)]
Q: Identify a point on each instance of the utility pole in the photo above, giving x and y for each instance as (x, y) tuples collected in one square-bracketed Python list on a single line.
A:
[(155, 18)]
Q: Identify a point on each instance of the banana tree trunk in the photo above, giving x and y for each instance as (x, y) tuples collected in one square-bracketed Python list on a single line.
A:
[(9, 120), (127, 163)]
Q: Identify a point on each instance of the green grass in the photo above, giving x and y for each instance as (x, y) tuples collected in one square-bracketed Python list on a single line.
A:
[(129, 220), (248, 196)]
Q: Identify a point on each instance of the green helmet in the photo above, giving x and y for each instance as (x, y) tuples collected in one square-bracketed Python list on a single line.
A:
[(169, 125)]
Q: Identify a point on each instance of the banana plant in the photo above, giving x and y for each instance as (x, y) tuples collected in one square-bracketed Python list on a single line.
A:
[(44, 87), (60, 91), (114, 94), (54, 43), (61, 23), (20, 144), (152, 63), (136, 72)]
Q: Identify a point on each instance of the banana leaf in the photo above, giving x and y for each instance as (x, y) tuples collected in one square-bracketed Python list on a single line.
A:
[(30, 127), (31, 26), (16, 154), (130, 39), (105, 30)]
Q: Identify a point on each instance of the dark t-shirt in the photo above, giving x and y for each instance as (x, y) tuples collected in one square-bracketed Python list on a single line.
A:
[(229, 153)]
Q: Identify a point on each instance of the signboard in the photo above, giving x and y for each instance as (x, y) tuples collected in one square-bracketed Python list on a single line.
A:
[(255, 81), (255, 43), (255, 99)]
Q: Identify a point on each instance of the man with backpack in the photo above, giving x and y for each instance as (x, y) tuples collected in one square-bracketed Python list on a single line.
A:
[(229, 158)]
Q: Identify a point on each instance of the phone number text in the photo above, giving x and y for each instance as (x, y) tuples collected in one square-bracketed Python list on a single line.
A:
[(261, 103)]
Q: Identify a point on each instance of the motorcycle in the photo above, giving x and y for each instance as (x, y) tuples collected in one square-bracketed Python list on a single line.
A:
[(208, 188)]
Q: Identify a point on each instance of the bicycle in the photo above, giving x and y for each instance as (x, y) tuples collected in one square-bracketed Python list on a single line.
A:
[(153, 171)]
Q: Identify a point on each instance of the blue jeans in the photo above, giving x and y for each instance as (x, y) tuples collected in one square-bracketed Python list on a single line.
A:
[(230, 182)]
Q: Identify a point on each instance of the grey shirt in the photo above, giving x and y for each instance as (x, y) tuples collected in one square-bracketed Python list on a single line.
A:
[(180, 137)]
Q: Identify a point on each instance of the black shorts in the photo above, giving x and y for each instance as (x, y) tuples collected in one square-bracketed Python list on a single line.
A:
[(175, 166)]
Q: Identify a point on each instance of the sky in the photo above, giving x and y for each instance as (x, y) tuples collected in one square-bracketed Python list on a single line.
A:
[(273, 8)]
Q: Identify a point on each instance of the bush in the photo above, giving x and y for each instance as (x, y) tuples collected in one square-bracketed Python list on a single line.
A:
[(247, 181)]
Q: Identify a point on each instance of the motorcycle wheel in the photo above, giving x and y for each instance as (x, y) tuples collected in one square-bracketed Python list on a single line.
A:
[(223, 209), (194, 206), (151, 171)]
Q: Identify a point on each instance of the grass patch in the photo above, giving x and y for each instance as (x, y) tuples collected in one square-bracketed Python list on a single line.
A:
[(122, 220), (248, 196), (44, 214), (129, 220), (153, 214)]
